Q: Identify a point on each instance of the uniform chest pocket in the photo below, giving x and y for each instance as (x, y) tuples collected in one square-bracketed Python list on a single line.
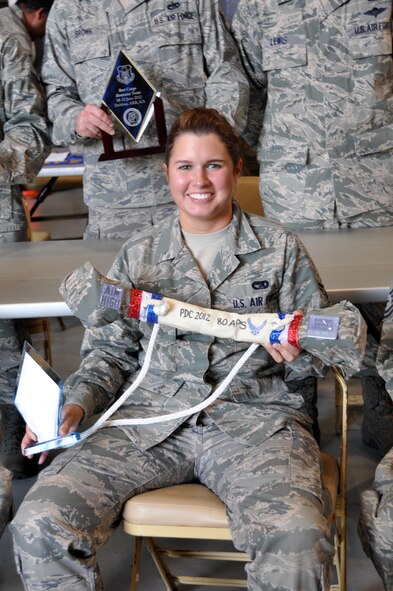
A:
[(284, 44), (178, 42), (85, 47), (93, 63), (176, 22), (369, 32)]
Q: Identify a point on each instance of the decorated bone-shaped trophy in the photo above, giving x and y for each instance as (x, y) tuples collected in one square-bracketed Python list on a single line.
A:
[(336, 334)]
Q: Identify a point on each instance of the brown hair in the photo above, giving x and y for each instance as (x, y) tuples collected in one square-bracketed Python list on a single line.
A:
[(202, 121)]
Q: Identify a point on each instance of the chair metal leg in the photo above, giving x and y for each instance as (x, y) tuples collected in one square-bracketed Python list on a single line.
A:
[(42, 325), (339, 403), (136, 564), (48, 341), (162, 569), (61, 322), (341, 505)]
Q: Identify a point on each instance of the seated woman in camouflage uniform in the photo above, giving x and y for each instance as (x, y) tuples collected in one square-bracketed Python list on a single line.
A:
[(253, 447)]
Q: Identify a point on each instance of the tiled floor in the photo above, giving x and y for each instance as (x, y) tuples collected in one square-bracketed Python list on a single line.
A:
[(115, 558)]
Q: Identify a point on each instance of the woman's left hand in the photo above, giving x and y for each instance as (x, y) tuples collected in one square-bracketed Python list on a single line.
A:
[(284, 352)]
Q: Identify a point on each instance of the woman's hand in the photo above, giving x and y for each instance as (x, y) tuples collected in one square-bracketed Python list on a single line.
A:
[(72, 415), (284, 352), (29, 439), (71, 418)]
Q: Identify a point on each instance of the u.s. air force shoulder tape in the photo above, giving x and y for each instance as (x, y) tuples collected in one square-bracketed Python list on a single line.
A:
[(336, 334)]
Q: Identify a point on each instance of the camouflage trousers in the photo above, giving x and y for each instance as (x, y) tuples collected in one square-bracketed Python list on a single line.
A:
[(12, 333), (122, 223), (373, 315), (376, 521), (272, 491), (5, 497), (10, 356), (377, 425)]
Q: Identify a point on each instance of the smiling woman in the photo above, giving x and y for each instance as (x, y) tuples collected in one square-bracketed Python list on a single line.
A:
[(202, 166)]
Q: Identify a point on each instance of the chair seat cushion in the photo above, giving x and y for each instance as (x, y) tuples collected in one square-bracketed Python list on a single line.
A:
[(183, 505), (194, 505)]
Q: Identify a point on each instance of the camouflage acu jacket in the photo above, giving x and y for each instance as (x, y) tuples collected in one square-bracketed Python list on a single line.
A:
[(385, 351), (184, 50), (24, 140), (260, 268), (326, 134)]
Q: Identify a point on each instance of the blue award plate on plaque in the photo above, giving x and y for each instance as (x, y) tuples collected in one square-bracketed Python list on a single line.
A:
[(129, 96)]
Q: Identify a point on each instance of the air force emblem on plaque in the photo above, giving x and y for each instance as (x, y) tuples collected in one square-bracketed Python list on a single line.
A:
[(125, 75)]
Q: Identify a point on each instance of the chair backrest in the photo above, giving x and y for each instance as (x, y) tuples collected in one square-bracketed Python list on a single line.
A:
[(247, 194)]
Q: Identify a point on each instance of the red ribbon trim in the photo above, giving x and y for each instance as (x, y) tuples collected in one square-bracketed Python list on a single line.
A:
[(134, 306), (293, 331)]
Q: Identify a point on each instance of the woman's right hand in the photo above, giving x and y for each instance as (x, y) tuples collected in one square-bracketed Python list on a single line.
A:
[(72, 416)]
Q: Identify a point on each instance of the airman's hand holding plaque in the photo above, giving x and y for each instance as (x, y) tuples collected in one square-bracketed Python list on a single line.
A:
[(132, 100)]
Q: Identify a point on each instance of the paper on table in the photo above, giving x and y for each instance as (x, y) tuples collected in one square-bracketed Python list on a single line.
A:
[(39, 395), (56, 157)]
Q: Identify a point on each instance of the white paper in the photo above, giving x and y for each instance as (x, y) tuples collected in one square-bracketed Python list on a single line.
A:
[(56, 157), (38, 399)]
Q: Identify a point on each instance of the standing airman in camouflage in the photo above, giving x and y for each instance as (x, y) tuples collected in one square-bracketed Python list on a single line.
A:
[(325, 147), (322, 118), (376, 519), (184, 50), (252, 447), (24, 143)]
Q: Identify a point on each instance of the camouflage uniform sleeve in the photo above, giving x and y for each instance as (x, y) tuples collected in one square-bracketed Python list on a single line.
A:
[(226, 85), (247, 35), (376, 517), (385, 351), (301, 289), (25, 142), (109, 357), (63, 101), (376, 520)]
